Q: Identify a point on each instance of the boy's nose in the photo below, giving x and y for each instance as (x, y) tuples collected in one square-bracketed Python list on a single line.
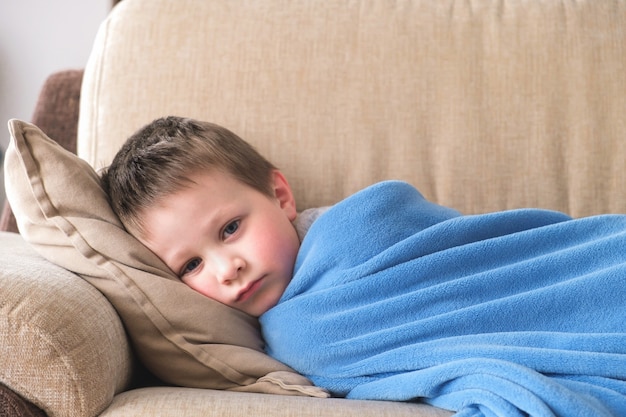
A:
[(228, 269)]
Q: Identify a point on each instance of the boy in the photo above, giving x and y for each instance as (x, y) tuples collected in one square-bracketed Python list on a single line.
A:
[(392, 297), (211, 207)]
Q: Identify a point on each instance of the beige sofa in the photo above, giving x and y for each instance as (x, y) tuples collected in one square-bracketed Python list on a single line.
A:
[(483, 105)]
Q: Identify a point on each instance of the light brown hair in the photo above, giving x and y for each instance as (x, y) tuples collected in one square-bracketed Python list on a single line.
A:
[(158, 159)]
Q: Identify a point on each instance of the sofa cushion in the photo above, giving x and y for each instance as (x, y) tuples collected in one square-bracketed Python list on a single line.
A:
[(181, 336), (482, 105), (180, 402)]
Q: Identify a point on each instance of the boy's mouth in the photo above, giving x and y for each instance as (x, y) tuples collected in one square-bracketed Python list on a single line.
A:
[(249, 290)]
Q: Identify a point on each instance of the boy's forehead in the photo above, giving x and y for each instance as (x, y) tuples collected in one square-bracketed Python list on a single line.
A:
[(193, 180), (213, 189), (206, 202)]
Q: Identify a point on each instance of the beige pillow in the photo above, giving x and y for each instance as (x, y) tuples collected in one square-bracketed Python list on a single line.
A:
[(181, 336)]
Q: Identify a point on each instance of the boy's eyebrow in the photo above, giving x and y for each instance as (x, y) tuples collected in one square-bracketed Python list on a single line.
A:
[(175, 257), (174, 262), (169, 260)]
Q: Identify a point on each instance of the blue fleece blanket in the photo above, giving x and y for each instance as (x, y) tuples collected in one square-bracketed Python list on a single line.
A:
[(513, 313)]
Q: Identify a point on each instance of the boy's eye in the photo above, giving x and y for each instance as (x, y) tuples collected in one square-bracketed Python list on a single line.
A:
[(190, 266), (230, 228)]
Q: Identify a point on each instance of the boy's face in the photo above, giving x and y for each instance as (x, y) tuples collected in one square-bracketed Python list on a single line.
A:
[(227, 240)]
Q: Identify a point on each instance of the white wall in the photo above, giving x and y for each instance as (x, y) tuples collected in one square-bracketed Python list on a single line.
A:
[(37, 38)]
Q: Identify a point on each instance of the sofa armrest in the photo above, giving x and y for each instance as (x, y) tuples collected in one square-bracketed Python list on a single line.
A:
[(62, 345), (12, 405)]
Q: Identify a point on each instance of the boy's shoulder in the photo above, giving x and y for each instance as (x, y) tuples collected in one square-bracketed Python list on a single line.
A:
[(306, 218)]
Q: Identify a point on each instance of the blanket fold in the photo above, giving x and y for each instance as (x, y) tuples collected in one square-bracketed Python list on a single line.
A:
[(519, 312)]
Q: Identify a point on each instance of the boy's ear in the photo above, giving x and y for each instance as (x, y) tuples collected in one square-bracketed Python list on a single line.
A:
[(282, 192)]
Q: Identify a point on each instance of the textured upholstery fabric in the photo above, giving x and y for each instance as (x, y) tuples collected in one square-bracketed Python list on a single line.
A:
[(12, 405), (56, 112), (62, 346), (208, 403), (482, 105)]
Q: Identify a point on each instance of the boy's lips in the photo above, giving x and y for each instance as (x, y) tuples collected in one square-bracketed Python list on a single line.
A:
[(249, 290)]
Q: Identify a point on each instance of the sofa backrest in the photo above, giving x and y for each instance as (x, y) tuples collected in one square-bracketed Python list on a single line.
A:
[(482, 105)]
